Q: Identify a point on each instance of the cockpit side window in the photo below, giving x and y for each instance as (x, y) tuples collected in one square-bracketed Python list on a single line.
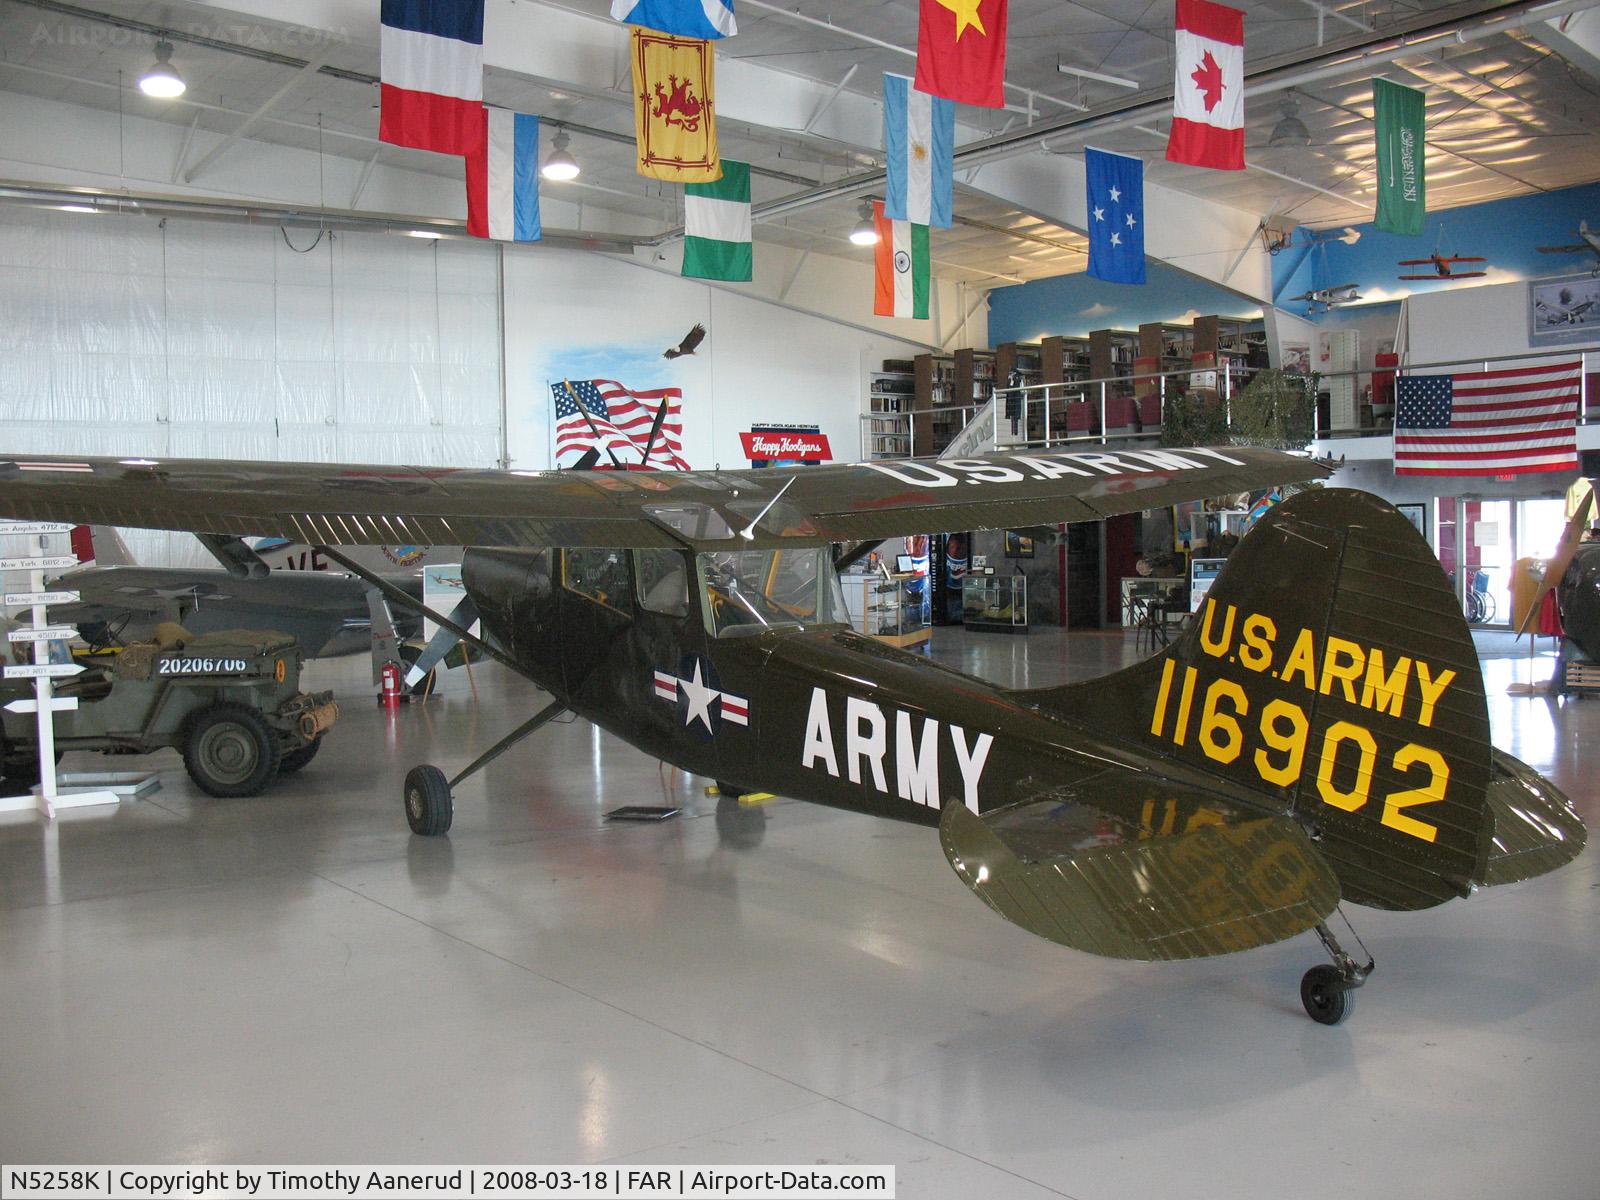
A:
[(748, 591), (601, 574), (663, 579)]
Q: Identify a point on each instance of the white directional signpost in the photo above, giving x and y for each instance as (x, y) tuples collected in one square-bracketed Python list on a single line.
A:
[(47, 798)]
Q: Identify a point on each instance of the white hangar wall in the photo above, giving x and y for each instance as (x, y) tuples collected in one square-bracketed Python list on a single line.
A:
[(126, 335), (572, 316)]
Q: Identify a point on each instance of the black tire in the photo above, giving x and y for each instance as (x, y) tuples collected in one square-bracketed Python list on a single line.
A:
[(1327, 1000), (299, 757), (230, 750), (429, 808), (730, 791)]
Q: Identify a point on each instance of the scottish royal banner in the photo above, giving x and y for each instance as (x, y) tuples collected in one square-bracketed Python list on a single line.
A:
[(675, 121), (1402, 192)]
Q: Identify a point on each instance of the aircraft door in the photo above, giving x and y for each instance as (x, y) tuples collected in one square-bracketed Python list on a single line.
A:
[(597, 611)]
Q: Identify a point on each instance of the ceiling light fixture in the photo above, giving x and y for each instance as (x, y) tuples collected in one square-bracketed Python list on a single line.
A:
[(84, 208), (560, 166), (424, 233), (162, 79), (866, 231), (1290, 129), (1084, 73)]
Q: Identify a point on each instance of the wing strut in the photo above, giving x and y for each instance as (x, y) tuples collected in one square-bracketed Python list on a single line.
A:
[(401, 597), (554, 709)]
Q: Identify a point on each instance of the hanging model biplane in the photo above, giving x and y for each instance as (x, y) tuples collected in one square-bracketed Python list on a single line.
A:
[(1444, 266), (1590, 242), (1319, 734)]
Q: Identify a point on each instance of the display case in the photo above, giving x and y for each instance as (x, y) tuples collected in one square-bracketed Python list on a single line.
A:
[(890, 610), (995, 603), (1139, 590)]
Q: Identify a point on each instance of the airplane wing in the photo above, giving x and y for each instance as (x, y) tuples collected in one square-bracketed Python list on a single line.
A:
[(1574, 248), (345, 505), (325, 611), (1128, 866)]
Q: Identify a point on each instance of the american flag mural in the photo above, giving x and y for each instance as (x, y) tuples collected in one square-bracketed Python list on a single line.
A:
[(603, 415), (1508, 421)]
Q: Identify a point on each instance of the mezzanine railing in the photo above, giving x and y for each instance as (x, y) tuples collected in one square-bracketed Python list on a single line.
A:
[(1130, 408)]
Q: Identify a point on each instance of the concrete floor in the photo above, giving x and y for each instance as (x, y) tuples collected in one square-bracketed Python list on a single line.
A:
[(297, 979)]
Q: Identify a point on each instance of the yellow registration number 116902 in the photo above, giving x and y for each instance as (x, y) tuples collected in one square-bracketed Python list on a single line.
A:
[(1217, 720)]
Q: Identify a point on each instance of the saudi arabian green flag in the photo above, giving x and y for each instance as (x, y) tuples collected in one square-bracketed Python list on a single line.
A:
[(716, 220), (1402, 191)]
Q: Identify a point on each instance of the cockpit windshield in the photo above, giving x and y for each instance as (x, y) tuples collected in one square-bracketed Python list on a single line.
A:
[(748, 591)]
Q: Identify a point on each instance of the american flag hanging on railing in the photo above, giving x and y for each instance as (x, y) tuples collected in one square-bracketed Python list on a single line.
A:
[(602, 415), (1511, 420)]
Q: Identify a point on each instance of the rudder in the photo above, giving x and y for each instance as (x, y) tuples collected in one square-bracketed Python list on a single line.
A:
[(1330, 672)]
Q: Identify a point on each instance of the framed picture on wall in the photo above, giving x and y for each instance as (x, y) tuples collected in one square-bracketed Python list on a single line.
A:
[(1563, 308), (1018, 545), (1417, 514)]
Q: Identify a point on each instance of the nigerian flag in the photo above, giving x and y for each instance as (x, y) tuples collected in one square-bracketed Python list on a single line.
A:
[(716, 220)]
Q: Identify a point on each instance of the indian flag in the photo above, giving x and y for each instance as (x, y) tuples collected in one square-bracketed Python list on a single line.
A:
[(716, 220), (902, 267)]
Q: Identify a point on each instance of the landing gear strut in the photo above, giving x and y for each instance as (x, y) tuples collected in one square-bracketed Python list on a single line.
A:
[(429, 805), (1328, 991)]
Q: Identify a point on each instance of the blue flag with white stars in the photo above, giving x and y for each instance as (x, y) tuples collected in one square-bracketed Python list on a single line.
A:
[(1116, 216), (1424, 402)]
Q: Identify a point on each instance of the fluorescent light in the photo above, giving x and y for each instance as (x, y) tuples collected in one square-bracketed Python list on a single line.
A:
[(162, 79), (88, 208), (424, 233), (866, 231), (560, 166), (1115, 80)]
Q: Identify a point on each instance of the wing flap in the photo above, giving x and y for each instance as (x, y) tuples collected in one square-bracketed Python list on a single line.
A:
[(1232, 882)]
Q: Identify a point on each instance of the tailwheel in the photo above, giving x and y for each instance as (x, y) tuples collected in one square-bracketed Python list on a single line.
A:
[(1328, 991), (429, 808), (1326, 996)]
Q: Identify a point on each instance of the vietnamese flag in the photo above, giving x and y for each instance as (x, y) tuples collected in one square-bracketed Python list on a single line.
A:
[(1208, 88), (961, 51)]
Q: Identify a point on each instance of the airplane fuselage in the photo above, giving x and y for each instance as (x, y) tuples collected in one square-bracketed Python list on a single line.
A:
[(822, 714)]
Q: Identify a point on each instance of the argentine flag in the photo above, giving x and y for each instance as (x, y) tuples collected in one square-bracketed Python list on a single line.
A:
[(919, 138), (685, 18)]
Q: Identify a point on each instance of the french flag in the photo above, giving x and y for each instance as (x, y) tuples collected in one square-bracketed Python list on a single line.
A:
[(503, 178), (431, 70)]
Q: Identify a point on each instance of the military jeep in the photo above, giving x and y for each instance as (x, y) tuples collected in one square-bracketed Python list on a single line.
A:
[(229, 701)]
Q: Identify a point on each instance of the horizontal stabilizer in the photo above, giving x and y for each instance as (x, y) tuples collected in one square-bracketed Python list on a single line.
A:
[(1536, 829), (1083, 876)]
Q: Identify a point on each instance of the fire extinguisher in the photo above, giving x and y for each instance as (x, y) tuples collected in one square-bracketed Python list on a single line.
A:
[(390, 696)]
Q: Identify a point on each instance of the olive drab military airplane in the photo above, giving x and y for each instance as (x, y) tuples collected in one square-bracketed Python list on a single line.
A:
[(1318, 734)]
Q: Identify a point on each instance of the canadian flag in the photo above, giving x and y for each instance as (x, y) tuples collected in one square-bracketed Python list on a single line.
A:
[(1208, 92)]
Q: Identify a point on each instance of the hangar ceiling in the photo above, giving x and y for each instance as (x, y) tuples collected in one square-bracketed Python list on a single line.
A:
[(1507, 114)]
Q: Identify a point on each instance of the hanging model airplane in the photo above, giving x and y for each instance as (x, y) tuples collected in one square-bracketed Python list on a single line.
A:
[(1590, 242), (1443, 266), (1330, 298), (1319, 734)]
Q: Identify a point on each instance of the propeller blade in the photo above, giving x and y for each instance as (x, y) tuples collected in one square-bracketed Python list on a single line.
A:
[(589, 420), (655, 429), (587, 462), (442, 642)]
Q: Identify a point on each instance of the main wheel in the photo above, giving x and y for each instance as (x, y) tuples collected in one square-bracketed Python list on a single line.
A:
[(295, 759), (429, 808), (1326, 999), (230, 750)]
